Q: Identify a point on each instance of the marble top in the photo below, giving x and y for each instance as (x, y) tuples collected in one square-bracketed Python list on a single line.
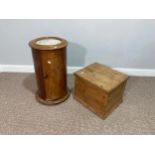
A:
[(48, 42)]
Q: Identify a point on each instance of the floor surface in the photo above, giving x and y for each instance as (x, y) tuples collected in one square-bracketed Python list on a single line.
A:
[(20, 113)]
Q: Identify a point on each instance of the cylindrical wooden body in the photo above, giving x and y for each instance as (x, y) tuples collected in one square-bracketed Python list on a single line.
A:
[(50, 68)]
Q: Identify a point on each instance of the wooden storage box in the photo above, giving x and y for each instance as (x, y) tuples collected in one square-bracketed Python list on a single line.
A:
[(99, 88)]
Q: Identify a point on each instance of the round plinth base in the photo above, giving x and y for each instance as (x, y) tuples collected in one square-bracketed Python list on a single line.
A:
[(52, 102)]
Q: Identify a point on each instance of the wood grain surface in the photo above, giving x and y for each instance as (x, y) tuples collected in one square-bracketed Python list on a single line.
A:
[(99, 88), (51, 73)]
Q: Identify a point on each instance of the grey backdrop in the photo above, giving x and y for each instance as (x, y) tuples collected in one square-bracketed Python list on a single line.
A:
[(117, 43)]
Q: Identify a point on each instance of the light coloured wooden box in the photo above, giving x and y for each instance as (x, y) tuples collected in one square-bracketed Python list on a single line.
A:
[(99, 88)]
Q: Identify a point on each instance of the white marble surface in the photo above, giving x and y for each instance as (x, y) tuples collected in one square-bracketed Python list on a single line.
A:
[(48, 42)]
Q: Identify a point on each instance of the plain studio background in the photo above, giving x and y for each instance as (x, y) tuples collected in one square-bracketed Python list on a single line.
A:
[(116, 43)]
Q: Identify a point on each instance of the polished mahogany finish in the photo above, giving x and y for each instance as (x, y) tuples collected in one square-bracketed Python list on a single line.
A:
[(49, 55)]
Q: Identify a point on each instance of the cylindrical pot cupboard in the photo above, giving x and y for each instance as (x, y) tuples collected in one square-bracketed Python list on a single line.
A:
[(49, 56)]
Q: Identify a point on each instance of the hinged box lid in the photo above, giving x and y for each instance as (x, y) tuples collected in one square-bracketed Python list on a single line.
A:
[(102, 76)]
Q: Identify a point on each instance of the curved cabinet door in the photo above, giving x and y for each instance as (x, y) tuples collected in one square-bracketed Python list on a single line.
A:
[(54, 73)]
